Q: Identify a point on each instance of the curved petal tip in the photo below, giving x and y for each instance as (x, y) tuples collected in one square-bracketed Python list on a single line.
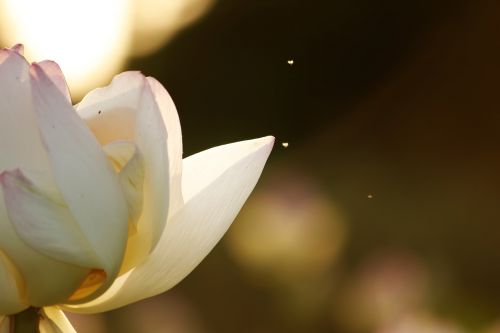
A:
[(19, 48), (266, 141)]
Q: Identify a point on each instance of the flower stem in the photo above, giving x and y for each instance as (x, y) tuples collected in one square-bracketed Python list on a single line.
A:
[(25, 322)]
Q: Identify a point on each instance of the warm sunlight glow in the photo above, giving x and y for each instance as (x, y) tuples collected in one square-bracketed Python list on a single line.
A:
[(88, 39), (92, 39), (157, 21)]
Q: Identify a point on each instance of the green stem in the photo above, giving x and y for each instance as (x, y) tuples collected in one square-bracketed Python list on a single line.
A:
[(25, 322)]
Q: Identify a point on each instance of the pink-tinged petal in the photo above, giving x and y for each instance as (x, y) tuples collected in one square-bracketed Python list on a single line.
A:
[(11, 288), (53, 320), (44, 222), (20, 143), (22, 148), (86, 179), (53, 71), (219, 181), (19, 48), (136, 109)]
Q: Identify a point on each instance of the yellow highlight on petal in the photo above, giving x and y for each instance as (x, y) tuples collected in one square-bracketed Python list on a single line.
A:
[(94, 280)]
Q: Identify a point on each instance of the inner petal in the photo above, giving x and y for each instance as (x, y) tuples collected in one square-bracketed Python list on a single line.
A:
[(128, 110), (129, 163)]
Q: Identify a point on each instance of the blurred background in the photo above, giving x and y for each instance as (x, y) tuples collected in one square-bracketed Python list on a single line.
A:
[(379, 208)]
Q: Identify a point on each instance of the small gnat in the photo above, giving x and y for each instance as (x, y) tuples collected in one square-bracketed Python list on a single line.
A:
[(290, 62), (370, 196), (284, 144)]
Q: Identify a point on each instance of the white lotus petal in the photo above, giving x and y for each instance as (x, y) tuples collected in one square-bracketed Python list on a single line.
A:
[(218, 182), (111, 112), (85, 177), (174, 142), (19, 48), (54, 72), (46, 280), (53, 320), (44, 222), (11, 300), (20, 143), (132, 108)]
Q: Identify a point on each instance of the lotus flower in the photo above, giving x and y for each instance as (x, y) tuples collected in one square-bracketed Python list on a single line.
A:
[(97, 207)]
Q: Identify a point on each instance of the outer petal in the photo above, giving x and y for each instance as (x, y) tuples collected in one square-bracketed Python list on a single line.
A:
[(19, 48), (54, 72), (174, 143), (137, 109), (85, 177), (11, 300), (45, 223), (217, 182), (54, 321), (20, 144), (46, 280)]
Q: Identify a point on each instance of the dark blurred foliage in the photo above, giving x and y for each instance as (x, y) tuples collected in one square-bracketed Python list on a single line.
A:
[(393, 99), (229, 74)]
